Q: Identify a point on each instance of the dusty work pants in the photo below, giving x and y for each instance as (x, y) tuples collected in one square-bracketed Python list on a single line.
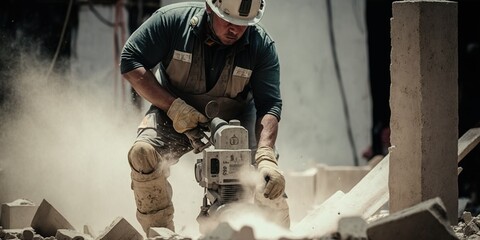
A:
[(156, 148)]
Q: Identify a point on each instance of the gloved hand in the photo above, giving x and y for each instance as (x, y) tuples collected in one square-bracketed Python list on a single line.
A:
[(268, 167), (184, 116), (195, 136)]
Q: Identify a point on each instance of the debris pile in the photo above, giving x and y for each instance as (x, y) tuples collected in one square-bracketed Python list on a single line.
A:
[(468, 227), (46, 223), (426, 220)]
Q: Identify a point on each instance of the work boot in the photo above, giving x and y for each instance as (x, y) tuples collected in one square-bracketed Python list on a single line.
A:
[(276, 210), (161, 218), (153, 193)]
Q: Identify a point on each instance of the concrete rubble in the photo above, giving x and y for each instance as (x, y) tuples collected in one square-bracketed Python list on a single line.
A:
[(468, 227), (48, 220), (344, 219), (426, 220), (17, 214), (45, 222), (49, 224)]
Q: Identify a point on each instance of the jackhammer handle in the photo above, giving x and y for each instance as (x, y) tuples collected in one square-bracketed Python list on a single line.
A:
[(197, 134), (195, 137)]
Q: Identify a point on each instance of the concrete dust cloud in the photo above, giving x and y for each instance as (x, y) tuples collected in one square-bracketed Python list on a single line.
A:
[(67, 142), (238, 215), (188, 195), (245, 213)]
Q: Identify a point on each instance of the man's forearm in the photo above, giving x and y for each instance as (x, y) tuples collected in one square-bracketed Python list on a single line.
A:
[(146, 85), (266, 159), (266, 130)]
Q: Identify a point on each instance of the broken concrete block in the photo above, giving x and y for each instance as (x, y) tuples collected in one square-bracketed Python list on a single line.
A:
[(352, 228), (467, 217), (161, 233), (11, 234), (120, 229), (426, 220), (245, 233), (300, 188), (17, 214), (476, 220), (467, 142), (375, 217), (361, 200), (331, 179), (460, 235), (375, 160), (222, 231), (67, 234), (24, 234), (474, 237), (322, 220), (28, 234), (87, 229), (48, 220), (471, 228)]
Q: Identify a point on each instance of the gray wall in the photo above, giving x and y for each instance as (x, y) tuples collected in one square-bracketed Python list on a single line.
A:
[(314, 127)]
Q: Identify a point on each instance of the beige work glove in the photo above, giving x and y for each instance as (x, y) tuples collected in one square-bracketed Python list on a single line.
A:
[(184, 116), (268, 167)]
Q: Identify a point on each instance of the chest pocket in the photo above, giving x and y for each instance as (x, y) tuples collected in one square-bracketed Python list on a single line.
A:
[(240, 79), (179, 72), (186, 72)]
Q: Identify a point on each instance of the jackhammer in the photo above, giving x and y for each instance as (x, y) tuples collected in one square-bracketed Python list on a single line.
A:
[(220, 169)]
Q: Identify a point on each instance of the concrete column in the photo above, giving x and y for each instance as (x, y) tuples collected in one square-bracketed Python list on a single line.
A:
[(423, 102)]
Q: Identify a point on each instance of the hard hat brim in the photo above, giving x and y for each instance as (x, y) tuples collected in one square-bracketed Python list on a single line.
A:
[(235, 20)]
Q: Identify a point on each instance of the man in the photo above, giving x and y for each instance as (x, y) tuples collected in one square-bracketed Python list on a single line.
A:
[(213, 51)]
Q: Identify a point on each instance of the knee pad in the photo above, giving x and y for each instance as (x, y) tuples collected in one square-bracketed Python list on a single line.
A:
[(143, 158)]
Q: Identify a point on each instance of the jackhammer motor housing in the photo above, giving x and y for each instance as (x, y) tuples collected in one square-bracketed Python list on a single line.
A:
[(220, 168)]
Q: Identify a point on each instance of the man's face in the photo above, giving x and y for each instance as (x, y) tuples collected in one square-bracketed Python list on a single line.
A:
[(227, 33)]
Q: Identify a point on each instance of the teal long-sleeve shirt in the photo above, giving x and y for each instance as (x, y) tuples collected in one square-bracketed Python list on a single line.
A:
[(170, 28)]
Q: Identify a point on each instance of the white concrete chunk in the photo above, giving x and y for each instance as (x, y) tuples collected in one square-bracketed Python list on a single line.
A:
[(17, 214)]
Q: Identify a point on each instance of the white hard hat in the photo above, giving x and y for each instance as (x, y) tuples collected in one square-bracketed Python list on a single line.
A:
[(238, 12)]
